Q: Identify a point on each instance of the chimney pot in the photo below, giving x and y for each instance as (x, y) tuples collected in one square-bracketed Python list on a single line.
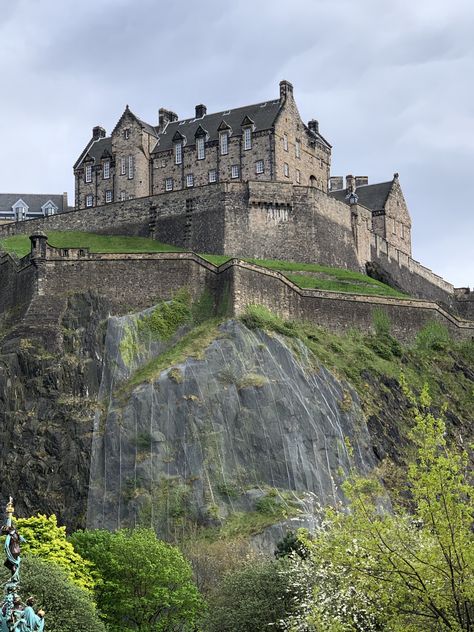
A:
[(201, 110), (336, 183)]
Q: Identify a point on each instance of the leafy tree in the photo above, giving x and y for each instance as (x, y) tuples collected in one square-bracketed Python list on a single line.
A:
[(45, 539), (146, 584), (68, 607), (250, 599), (373, 569), (291, 543)]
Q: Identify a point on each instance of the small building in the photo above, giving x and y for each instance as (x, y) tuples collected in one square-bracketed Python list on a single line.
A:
[(16, 207)]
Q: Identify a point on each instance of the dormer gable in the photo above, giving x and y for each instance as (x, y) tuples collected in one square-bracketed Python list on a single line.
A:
[(201, 132), (247, 122), (178, 137), (224, 127), (49, 208), (20, 209)]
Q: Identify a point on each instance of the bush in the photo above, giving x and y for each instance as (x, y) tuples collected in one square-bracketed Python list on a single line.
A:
[(433, 337)]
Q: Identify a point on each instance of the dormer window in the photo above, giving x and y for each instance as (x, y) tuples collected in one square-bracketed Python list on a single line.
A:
[(88, 174), (106, 173), (178, 153), (49, 208), (224, 143), (20, 210), (247, 138), (201, 148)]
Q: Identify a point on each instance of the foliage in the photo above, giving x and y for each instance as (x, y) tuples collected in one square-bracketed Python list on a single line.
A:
[(250, 599), (147, 584), (45, 539), (68, 607), (372, 569), (291, 544), (433, 337)]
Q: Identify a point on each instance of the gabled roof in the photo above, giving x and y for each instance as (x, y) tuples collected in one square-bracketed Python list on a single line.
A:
[(95, 150), (262, 115), (34, 201), (372, 196)]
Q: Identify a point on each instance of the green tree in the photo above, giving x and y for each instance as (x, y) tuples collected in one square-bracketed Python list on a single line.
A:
[(45, 539), (376, 569), (146, 584), (68, 607), (250, 599)]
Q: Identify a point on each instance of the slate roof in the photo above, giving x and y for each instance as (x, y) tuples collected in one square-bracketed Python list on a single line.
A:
[(96, 150), (372, 196), (34, 201), (263, 116)]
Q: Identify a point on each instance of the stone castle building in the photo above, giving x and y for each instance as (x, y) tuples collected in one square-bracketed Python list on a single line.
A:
[(265, 142)]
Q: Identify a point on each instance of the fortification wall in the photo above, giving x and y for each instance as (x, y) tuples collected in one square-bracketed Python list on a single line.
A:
[(337, 311), (17, 282), (408, 275)]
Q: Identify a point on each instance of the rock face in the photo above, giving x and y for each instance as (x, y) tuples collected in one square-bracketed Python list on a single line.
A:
[(252, 422), (50, 367)]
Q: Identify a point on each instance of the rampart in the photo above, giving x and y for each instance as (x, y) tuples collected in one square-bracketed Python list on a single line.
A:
[(262, 220), (135, 281)]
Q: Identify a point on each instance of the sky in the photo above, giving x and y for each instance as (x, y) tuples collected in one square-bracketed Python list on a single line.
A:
[(391, 83)]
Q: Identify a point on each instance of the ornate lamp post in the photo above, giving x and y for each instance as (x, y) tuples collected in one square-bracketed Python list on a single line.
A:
[(14, 615)]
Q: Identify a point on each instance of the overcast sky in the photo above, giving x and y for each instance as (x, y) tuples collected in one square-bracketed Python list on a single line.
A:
[(391, 83)]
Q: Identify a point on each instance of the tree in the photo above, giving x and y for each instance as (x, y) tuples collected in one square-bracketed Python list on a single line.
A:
[(68, 607), (146, 584), (250, 599), (375, 569), (45, 539)]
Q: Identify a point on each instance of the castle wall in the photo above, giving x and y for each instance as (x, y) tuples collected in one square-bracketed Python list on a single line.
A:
[(17, 282), (408, 275)]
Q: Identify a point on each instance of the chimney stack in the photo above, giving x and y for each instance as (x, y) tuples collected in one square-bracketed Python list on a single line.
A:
[(314, 126), (65, 205), (350, 184), (286, 90), (201, 110), (98, 132), (336, 183), (165, 117), (361, 181)]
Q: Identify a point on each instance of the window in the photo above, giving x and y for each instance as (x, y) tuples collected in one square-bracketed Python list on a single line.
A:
[(130, 167), (402, 231), (123, 166), (224, 138), (298, 176), (89, 200), (298, 149), (122, 196), (108, 196), (126, 134), (201, 151), (178, 153), (285, 142), (259, 167), (130, 197), (169, 184), (286, 170), (248, 138), (106, 174), (394, 226), (235, 171), (212, 175), (88, 173), (163, 162), (189, 180)]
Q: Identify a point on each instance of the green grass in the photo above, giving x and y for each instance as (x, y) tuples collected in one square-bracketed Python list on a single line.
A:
[(20, 244), (305, 275)]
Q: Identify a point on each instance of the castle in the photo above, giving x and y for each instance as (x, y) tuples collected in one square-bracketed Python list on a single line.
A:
[(249, 182)]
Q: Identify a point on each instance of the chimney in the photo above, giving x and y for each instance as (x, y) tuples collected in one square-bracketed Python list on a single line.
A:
[(201, 110), (65, 206), (286, 90), (165, 117), (336, 183), (98, 132), (313, 125), (361, 181), (350, 184)]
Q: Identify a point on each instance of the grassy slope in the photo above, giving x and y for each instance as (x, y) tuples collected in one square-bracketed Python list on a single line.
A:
[(304, 275)]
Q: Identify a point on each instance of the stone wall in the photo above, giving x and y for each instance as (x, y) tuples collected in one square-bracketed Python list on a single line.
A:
[(136, 281), (17, 282), (408, 275)]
